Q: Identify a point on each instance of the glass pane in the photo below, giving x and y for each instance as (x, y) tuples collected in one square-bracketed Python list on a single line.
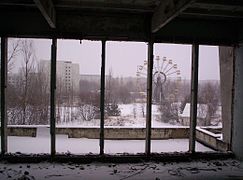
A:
[(28, 95), (78, 96)]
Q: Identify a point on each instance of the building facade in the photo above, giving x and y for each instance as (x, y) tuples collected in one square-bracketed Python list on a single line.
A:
[(67, 75)]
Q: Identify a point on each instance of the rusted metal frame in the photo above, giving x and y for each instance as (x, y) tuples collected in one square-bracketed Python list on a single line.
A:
[(102, 97), (4, 59), (149, 98), (52, 97), (194, 93)]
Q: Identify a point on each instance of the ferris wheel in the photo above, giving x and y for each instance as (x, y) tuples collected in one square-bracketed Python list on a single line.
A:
[(164, 71)]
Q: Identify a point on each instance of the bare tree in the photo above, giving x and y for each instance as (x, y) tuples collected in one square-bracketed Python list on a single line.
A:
[(87, 112), (134, 110), (142, 106), (168, 112), (26, 71), (209, 94), (111, 106), (122, 92), (12, 94), (168, 106), (39, 96), (14, 51), (109, 91), (186, 99)]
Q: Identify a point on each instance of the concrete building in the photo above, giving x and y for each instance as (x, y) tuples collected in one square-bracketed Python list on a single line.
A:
[(67, 74), (194, 22), (90, 78)]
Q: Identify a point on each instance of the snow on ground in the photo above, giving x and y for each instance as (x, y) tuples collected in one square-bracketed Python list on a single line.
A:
[(85, 146), (41, 144), (132, 115), (200, 170)]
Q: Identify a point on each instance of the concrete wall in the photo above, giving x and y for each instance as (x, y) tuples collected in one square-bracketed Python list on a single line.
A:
[(226, 59), (110, 133), (204, 136), (125, 133), (237, 136), (21, 131), (211, 140)]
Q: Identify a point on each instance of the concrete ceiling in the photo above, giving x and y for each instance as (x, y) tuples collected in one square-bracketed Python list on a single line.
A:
[(176, 21)]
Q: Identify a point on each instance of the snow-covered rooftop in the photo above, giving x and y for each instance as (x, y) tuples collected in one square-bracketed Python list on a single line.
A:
[(202, 110)]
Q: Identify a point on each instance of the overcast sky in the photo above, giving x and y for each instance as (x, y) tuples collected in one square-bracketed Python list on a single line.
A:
[(124, 57)]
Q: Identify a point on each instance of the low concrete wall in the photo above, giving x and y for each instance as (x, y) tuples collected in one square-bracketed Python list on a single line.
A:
[(21, 131), (125, 133), (210, 139), (90, 133), (110, 132)]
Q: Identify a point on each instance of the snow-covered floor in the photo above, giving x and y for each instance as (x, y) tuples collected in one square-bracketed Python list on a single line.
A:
[(85, 146), (214, 169), (41, 144)]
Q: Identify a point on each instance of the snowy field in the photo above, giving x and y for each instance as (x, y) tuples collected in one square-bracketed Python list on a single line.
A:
[(41, 144), (199, 170), (132, 115)]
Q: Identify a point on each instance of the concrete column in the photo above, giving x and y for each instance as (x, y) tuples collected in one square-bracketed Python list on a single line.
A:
[(237, 134), (194, 93), (53, 96), (4, 120), (226, 61), (102, 98), (149, 97)]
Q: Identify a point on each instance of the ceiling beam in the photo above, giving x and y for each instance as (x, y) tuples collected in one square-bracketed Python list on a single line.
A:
[(112, 6), (119, 28), (48, 11), (226, 3), (219, 5), (212, 13), (166, 11)]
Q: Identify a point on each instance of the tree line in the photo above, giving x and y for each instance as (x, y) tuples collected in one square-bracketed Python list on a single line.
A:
[(28, 98)]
